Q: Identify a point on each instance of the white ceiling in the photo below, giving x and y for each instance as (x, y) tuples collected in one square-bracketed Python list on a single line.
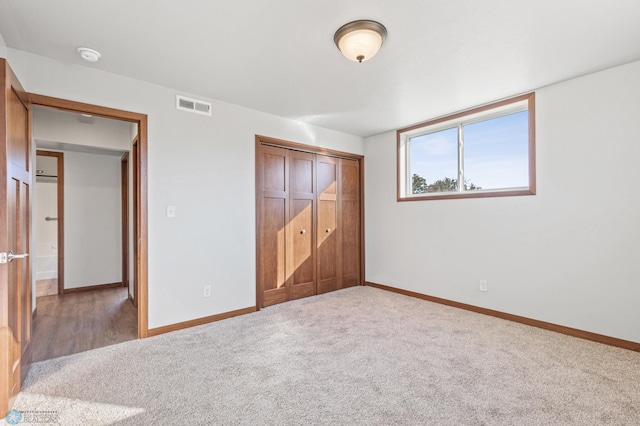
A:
[(278, 56)]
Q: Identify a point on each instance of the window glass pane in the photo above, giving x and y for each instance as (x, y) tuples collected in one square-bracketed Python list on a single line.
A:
[(496, 153), (434, 162)]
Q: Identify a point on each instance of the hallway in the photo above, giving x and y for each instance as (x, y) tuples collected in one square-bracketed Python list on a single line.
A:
[(78, 322)]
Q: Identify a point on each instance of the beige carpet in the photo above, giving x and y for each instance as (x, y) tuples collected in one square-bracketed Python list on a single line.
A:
[(357, 356)]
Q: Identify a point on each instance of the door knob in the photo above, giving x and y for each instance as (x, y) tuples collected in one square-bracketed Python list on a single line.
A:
[(328, 230), (304, 231), (8, 257), (12, 256)]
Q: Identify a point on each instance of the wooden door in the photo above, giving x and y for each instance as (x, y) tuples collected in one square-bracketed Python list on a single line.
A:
[(272, 219), (349, 222), (15, 219), (300, 260), (328, 233), (308, 221)]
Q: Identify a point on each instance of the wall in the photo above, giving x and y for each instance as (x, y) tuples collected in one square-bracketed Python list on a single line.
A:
[(202, 165), (92, 227), (568, 255), (45, 232), (3, 47)]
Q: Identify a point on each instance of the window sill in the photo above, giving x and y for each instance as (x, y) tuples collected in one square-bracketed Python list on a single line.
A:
[(479, 194)]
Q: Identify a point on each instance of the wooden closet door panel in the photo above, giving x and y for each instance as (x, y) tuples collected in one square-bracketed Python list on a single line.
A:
[(301, 256), (349, 195), (273, 216), (302, 260), (328, 234), (274, 171), (302, 175), (273, 252)]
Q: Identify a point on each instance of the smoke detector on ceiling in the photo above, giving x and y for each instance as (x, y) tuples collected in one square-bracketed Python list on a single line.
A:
[(89, 55)]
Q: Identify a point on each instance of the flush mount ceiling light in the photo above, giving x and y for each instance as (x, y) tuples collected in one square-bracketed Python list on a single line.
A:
[(89, 55), (360, 40)]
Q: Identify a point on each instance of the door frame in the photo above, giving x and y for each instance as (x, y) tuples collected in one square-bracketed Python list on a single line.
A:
[(135, 176), (60, 211), (140, 201), (280, 143), (124, 217)]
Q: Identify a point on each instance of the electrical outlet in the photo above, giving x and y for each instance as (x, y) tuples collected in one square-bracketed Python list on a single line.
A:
[(171, 211), (207, 291), (483, 285)]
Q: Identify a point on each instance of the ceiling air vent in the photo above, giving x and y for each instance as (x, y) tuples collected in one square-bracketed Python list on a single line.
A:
[(192, 105)]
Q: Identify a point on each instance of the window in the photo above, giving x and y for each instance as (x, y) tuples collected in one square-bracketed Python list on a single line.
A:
[(484, 152)]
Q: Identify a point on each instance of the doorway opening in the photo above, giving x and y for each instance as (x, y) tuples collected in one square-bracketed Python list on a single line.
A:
[(82, 181), (48, 223), (132, 218)]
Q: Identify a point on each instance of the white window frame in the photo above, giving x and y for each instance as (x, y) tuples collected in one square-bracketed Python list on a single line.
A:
[(459, 120)]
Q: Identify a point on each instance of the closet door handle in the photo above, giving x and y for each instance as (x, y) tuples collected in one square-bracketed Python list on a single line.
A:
[(328, 230), (304, 231)]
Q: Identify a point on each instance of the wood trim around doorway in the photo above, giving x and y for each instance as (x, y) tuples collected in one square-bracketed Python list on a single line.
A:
[(141, 222), (135, 177), (279, 143), (124, 214), (60, 211)]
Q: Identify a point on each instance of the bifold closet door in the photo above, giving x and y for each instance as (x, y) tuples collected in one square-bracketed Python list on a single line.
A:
[(301, 265), (273, 216), (349, 222), (328, 232), (308, 224), (286, 224)]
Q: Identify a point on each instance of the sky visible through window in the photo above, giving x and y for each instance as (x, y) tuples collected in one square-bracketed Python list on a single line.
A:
[(495, 153)]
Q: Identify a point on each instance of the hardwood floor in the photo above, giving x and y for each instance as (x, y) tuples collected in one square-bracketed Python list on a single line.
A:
[(46, 287), (78, 322)]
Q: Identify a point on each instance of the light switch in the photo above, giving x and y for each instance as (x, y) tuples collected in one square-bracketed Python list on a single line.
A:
[(171, 211)]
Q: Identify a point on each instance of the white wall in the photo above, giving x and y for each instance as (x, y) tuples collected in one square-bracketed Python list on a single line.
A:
[(568, 255), (202, 165), (45, 232), (59, 126), (92, 227)]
